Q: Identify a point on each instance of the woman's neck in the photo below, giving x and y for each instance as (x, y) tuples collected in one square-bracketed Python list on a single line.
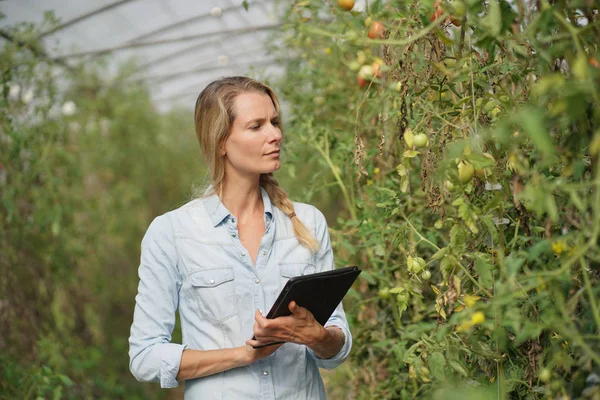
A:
[(242, 197)]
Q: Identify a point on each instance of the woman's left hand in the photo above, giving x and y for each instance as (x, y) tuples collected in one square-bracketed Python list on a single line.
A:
[(301, 327)]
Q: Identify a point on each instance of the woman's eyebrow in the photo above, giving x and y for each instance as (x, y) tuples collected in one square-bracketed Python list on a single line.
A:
[(260, 120)]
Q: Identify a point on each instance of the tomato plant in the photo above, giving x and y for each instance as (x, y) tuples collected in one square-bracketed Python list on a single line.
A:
[(465, 180)]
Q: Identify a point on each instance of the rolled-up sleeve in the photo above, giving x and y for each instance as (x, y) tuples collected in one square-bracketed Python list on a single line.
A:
[(324, 262), (152, 356)]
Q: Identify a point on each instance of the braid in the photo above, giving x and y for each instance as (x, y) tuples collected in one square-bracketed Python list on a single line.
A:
[(279, 197)]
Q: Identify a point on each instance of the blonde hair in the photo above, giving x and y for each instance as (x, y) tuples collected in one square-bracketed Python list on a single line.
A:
[(214, 115)]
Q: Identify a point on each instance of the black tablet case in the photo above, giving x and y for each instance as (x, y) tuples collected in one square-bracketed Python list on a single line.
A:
[(320, 293)]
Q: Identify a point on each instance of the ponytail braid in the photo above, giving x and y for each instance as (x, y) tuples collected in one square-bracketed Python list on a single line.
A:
[(279, 197)]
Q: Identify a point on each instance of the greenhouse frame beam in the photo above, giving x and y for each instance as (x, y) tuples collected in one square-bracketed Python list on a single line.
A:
[(167, 77), (230, 32), (179, 24), (84, 17), (178, 53), (207, 63)]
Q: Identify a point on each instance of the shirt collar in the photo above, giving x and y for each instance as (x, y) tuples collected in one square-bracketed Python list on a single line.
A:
[(218, 212)]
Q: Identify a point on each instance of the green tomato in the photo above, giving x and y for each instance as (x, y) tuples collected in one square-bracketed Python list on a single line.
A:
[(459, 8), (545, 375), (354, 66), (384, 293), (402, 297), (366, 72), (465, 172), (420, 140), (426, 275), (418, 265)]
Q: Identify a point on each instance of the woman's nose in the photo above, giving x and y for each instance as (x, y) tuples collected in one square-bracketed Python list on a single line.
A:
[(274, 134)]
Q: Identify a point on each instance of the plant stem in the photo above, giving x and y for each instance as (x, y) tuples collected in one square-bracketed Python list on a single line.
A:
[(338, 179), (588, 288), (454, 260)]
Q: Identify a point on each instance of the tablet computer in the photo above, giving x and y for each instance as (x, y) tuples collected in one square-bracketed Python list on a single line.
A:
[(320, 293)]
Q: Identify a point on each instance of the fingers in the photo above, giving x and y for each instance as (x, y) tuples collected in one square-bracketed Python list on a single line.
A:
[(259, 318), (297, 311)]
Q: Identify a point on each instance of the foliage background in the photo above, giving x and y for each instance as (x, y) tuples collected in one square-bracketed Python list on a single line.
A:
[(482, 286), (480, 283)]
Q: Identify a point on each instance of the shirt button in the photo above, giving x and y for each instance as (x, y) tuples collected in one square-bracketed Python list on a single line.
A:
[(212, 281), (233, 235), (264, 253), (242, 254), (257, 281), (266, 373)]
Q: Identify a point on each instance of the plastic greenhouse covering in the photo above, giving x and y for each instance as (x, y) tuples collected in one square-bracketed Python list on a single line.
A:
[(179, 45)]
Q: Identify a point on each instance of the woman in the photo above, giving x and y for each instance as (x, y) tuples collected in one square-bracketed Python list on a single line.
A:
[(222, 260)]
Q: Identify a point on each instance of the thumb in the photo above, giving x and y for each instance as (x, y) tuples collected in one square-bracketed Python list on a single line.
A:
[(293, 307), (297, 310)]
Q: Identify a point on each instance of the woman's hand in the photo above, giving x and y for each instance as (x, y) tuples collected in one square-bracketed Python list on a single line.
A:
[(253, 354), (301, 328)]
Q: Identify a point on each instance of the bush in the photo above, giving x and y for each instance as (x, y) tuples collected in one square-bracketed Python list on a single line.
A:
[(466, 161), (85, 163)]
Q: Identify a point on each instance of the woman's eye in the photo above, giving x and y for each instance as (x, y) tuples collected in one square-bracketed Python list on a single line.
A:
[(275, 123), (255, 127)]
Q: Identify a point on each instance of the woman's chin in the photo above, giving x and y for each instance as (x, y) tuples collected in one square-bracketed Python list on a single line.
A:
[(272, 168)]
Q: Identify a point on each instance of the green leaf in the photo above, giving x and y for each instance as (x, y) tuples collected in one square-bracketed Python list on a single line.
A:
[(532, 121), (410, 153), (387, 191), (440, 253), (379, 250), (484, 269), (368, 277), (353, 293), (245, 4), (458, 368), (493, 20), (513, 264), (529, 331), (535, 251), (488, 221), (577, 202), (551, 207), (437, 363)]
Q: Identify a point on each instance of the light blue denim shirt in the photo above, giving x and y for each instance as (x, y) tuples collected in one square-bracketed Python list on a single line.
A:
[(193, 261)]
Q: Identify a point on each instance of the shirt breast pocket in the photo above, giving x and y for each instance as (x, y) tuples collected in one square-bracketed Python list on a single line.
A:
[(289, 270), (214, 291)]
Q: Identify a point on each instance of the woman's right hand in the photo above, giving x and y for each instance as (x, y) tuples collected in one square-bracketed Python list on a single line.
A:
[(253, 354)]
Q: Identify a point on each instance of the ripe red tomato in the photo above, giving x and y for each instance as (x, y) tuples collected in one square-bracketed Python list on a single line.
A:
[(377, 30), (437, 11), (361, 82)]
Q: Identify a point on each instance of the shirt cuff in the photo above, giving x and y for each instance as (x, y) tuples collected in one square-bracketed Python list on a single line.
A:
[(169, 366), (342, 354)]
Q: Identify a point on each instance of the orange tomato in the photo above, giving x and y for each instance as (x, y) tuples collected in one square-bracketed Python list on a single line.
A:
[(377, 30), (346, 4)]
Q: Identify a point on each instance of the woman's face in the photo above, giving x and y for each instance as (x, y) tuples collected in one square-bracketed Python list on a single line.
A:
[(253, 145)]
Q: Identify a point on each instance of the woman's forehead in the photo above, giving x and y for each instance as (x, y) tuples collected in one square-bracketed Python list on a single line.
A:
[(253, 105)]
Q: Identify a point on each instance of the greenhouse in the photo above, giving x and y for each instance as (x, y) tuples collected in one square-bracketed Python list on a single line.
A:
[(421, 179)]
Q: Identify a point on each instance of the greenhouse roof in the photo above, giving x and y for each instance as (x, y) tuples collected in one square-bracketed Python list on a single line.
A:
[(181, 45)]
